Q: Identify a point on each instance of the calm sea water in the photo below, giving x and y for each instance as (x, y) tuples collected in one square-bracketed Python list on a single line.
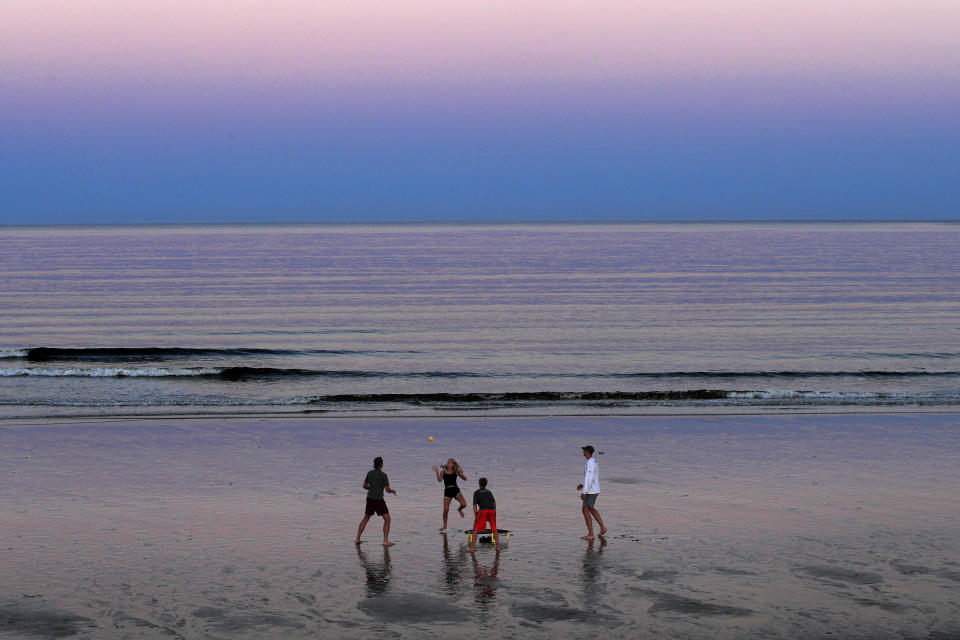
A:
[(455, 319)]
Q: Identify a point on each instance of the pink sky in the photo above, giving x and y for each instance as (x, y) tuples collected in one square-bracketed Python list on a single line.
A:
[(473, 41)]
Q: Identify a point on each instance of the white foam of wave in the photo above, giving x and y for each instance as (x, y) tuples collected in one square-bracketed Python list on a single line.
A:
[(786, 394), (14, 353), (110, 372), (210, 401)]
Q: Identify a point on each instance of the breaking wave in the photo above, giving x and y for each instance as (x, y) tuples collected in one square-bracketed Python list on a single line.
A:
[(643, 398), (521, 400), (106, 354), (223, 373), (252, 373), (110, 372)]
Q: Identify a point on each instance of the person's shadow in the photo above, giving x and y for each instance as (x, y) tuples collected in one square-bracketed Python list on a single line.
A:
[(378, 574), (485, 580), (453, 568)]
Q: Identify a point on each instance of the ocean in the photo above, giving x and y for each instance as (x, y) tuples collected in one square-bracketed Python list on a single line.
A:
[(478, 320)]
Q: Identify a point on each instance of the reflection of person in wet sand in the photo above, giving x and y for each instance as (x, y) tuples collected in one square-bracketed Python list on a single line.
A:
[(592, 565), (452, 568), (376, 483), (589, 489), (378, 575), (448, 476), (485, 578)]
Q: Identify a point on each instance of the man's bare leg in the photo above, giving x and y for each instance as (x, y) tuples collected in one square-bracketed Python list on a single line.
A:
[(386, 530), (363, 524), (496, 539), (596, 514), (586, 517)]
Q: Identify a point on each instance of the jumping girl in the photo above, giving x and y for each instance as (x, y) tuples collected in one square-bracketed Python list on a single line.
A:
[(448, 476)]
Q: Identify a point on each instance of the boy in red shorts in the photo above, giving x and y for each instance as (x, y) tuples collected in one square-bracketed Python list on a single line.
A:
[(484, 512)]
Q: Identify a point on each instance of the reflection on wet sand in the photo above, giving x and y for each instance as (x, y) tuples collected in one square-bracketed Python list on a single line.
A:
[(737, 543), (453, 568), (592, 568), (485, 580), (377, 573)]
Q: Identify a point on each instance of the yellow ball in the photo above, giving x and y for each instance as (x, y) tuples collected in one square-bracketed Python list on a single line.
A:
[(430, 438)]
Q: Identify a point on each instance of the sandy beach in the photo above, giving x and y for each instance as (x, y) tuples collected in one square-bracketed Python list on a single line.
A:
[(793, 526)]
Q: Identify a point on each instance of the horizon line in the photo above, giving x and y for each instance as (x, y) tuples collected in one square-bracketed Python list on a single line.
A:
[(492, 223)]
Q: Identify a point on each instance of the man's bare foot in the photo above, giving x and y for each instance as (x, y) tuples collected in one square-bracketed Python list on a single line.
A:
[(587, 537), (358, 541), (387, 543), (603, 533)]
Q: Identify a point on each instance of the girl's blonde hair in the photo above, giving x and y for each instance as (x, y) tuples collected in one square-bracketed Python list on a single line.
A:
[(456, 465)]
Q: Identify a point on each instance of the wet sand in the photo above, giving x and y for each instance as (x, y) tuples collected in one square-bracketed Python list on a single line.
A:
[(794, 526)]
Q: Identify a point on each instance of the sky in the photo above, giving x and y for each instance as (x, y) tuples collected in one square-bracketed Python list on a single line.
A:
[(161, 111)]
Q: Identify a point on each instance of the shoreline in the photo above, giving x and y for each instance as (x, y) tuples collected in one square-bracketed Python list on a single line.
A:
[(781, 412)]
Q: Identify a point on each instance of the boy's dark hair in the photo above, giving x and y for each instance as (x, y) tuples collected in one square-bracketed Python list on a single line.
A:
[(482, 482), (377, 462)]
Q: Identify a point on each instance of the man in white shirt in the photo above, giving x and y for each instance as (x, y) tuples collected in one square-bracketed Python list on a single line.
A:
[(589, 491)]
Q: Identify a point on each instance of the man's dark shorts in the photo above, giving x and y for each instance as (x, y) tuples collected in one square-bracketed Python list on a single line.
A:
[(376, 506), (590, 499)]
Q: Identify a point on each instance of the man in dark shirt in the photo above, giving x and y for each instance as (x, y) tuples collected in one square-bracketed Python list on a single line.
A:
[(376, 483), (484, 511)]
